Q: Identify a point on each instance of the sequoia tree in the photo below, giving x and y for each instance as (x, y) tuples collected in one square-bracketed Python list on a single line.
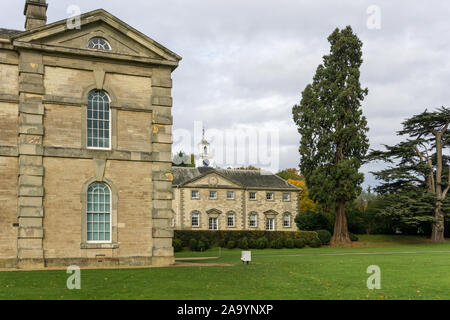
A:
[(333, 129), (418, 179)]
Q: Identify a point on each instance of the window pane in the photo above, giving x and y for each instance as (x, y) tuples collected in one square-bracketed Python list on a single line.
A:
[(98, 124), (98, 212)]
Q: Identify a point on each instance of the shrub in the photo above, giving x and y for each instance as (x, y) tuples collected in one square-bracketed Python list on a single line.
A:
[(177, 245), (243, 243), (306, 236), (324, 236), (277, 244), (206, 243), (289, 243), (299, 243), (262, 243), (231, 244), (202, 246), (353, 237), (316, 243), (193, 244), (310, 221), (221, 237), (252, 244), (356, 221)]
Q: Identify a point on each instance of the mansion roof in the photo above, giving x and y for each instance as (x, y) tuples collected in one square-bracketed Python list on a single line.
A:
[(8, 33), (249, 179)]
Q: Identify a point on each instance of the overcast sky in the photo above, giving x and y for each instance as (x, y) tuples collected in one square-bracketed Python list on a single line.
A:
[(245, 63)]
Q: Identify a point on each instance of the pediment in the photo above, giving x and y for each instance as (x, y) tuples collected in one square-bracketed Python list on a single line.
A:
[(124, 40), (213, 180), (271, 213), (213, 212)]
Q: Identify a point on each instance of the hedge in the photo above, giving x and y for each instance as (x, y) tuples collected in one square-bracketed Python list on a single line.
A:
[(222, 238)]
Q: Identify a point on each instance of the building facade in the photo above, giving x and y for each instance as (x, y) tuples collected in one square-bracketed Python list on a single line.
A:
[(85, 143), (208, 198)]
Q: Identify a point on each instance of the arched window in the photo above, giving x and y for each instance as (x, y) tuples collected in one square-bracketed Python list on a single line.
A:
[(98, 120), (99, 44), (195, 219), (253, 220), (98, 213), (287, 220), (231, 220)]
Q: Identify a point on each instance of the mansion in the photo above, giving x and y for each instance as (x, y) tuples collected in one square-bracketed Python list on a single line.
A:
[(207, 198), (85, 143)]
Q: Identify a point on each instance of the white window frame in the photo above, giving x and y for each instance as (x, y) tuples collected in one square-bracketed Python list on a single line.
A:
[(212, 225), (250, 197), (110, 215), (288, 216), (250, 220), (232, 193), (233, 217), (270, 226), (288, 196), (109, 124), (272, 198), (192, 195), (211, 198), (196, 214)]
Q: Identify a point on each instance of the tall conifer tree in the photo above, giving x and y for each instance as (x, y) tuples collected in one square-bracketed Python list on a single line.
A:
[(333, 129)]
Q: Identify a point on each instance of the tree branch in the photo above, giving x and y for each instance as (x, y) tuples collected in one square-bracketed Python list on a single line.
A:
[(429, 163), (448, 185), (445, 128)]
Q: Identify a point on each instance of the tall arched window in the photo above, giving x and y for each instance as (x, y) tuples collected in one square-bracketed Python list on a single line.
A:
[(98, 120), (98, 213)]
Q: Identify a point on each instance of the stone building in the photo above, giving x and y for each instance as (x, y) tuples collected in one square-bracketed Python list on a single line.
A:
[(85, 143), (206, 198)]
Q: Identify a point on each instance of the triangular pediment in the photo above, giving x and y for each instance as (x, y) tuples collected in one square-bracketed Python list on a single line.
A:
[(123, 39), (213, 179), (271, 212)]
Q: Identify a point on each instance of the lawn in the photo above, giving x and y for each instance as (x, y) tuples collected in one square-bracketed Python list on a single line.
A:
[(411, 268)]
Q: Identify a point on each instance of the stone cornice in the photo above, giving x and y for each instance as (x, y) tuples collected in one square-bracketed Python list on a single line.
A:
[(93, 54)]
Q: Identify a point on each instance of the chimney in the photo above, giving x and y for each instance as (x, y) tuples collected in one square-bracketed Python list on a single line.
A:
[(36, 14)]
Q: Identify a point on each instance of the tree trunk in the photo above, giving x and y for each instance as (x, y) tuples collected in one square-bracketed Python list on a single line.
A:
[(437, 235), (340, 234)]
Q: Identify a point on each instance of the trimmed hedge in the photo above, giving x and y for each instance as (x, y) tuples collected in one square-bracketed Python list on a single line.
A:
[(324, 236), (177, 245), (255, 239)]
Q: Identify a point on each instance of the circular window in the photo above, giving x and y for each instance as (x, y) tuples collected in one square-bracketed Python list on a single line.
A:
[(99, 44)]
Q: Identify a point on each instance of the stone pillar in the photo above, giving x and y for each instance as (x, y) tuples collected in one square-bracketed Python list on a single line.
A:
[(36, 14), (162, 168), (31, 171)]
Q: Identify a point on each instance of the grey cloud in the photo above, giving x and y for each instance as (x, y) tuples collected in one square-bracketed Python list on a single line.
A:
[(246, 62)]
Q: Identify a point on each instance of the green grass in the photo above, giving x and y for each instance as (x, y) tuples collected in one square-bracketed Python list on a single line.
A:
[(322, 273)]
